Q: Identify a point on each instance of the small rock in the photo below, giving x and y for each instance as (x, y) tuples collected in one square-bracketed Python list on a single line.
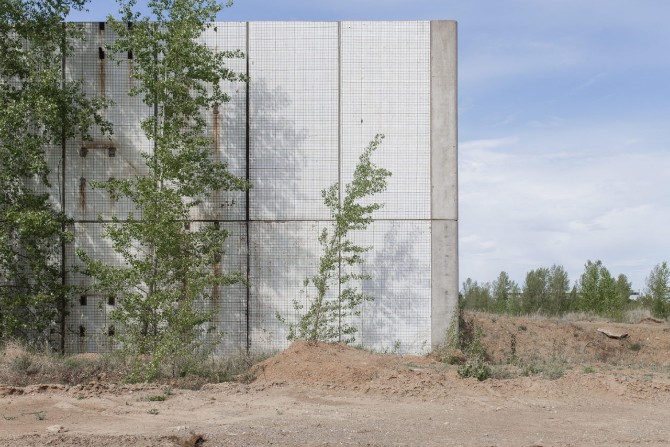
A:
[(56, 429), (612, 333)]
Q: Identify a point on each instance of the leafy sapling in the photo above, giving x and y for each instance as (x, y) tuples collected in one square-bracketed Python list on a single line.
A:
[(331, 294)]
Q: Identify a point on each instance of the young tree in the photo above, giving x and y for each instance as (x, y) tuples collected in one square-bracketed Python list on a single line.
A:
[(658, 289), (598, 291), (624, 288), (612, 306), (476, 296), (557, 290), (535, 292), (168, 271), (39, 110), (326, 318), (502, 290), (514, 302), (573, 298), (589, 294)]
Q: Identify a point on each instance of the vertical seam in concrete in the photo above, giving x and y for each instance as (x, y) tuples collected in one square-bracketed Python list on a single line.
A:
[(63, 272), (155, 145), (247, 195), (339, 159)]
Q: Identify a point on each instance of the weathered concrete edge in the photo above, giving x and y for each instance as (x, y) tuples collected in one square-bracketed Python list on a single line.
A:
[(444, 279), (443, 177)]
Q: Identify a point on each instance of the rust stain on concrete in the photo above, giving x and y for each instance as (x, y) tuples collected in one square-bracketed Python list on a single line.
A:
[(82, 193), (216, 269)]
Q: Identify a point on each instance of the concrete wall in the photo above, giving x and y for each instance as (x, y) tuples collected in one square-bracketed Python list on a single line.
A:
[(318, 93)]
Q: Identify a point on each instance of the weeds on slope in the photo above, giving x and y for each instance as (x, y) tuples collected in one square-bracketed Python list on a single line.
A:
[(467, 351)]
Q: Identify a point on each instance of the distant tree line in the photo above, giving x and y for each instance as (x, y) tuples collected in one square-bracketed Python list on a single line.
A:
[(547, 291)]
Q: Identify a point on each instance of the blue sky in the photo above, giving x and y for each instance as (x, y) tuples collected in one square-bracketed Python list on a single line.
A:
[(564, 140)]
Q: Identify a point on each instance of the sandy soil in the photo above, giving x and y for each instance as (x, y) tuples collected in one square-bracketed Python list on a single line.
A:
[(613, 392)]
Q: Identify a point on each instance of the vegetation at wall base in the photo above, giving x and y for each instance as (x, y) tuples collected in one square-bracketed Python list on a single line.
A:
[(331, 299), (21, 365), (476, 364)]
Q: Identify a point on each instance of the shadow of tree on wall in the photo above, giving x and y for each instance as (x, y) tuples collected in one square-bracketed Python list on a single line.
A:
[(283, 235), (400, 313)]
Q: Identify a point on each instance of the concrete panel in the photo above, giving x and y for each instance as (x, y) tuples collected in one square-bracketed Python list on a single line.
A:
[(283, 254), (88, 324), (226, 124), (104, 156), (385, 86), (399, 264), (228, 304), (293, 115), (88, 327), (444, 278)]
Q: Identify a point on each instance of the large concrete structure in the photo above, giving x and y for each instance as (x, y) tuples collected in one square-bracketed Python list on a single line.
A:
[(318, 93)]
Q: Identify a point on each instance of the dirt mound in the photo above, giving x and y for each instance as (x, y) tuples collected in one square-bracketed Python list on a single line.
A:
[(522, 340), (523, 353), (334, 364)]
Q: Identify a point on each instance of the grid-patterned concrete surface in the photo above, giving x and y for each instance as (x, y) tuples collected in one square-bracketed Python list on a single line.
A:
[(318, 92)]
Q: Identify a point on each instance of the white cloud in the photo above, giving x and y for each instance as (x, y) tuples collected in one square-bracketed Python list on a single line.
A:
[(522, 209)]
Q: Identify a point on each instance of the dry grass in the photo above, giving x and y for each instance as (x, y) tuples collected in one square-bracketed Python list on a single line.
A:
[(634, 316), (631, 316), (20, 366), (579, 316), (234, 368)]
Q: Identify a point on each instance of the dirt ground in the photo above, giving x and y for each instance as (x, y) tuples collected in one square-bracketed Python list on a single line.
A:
[(607, 392)]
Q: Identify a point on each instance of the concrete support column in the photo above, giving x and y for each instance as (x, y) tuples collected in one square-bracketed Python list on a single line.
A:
[(443, 178)]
